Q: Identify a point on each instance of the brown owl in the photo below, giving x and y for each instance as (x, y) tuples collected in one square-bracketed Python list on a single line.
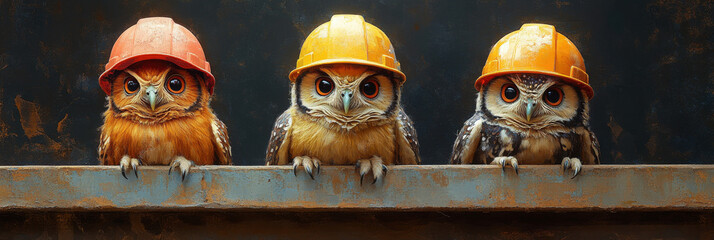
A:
[(158, 104), (345, 104)]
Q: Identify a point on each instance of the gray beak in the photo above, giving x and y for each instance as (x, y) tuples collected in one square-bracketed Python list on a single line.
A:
[(151, 96), (529, 109), (346, 99)]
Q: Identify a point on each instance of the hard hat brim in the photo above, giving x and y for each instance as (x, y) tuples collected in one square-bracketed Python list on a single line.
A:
[(295, 73), (126, 62), (484, 79)]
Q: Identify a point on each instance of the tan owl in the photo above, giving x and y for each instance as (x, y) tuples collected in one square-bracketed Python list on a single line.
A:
[(345, 104), (159, 87), (532, 107)]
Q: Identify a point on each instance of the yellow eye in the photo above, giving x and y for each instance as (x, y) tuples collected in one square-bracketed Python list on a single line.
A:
[(131, 85), (553, 96), (509, 93), (370, 88), (324, 86), (175, 84)]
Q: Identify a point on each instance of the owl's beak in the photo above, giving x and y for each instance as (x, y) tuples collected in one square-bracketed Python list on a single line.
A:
[(529, 109), (151, 95), (346, 99)]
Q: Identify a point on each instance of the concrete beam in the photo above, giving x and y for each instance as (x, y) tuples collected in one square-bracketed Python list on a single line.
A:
[(337, 188)]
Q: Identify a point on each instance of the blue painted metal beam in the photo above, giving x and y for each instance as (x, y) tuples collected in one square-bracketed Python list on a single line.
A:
[(405, 188)]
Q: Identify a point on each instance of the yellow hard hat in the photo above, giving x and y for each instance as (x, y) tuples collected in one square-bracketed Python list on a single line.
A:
[(536, 48), (347, 39)]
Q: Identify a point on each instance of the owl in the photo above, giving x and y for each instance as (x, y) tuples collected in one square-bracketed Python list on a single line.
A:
[(344, 114), (158, 114), (526, 118)]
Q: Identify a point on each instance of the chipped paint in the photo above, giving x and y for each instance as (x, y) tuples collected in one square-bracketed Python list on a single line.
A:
[(29, 117)]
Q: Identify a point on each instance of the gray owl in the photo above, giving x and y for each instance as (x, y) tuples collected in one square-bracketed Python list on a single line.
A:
[(528, 119), (532, 105)]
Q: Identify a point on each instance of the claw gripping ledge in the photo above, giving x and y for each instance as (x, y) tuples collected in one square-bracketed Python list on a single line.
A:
[(405, 188)]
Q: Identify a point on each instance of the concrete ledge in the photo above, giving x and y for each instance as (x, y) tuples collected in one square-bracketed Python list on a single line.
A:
[(337, 188)]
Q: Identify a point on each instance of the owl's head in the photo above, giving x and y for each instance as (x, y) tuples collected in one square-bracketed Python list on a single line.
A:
[(347, 95), (154, 91), (533, 101)]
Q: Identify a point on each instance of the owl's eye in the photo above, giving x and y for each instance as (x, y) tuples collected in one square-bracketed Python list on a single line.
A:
[(509, 93), (370, 88), (175, 84), (131, 86), (324, 86), (553, 96)]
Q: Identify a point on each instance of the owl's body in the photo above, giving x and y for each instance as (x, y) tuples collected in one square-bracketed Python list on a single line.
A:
[(504, 131), (159, 144), (323, 128), (159, 114), (336, 147), (547, 147)]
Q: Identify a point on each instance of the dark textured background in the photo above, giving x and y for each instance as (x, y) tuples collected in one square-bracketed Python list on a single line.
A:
[(650, 63)]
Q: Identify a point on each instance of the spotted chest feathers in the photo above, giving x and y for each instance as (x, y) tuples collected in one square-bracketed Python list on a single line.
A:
[(541, 148)]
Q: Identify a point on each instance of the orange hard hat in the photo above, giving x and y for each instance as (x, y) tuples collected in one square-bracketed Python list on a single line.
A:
[(157, 38), (536, 48), (347, 39)]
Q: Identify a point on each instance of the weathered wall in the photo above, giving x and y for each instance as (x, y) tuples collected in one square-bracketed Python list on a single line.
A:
[(650, 64)]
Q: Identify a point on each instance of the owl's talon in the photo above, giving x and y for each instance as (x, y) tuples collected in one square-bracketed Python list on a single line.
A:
[(572, 163), (373, 164), (123, 174), (383, 173), (295, 169), (309, 172), (308, 163), (566, 164), (134, 167), (126, 162), (184, 165), (504, 161), (576, 170)]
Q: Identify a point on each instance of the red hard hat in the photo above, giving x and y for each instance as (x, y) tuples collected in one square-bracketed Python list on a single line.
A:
[(161, 39)]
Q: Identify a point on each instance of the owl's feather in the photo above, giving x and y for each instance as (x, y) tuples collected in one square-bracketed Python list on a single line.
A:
[(467, 141), (220, 134), (408, 141), (594, 147), (277, 147)]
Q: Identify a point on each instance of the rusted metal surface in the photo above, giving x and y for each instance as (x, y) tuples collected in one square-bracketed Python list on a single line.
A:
[(405, 188)]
